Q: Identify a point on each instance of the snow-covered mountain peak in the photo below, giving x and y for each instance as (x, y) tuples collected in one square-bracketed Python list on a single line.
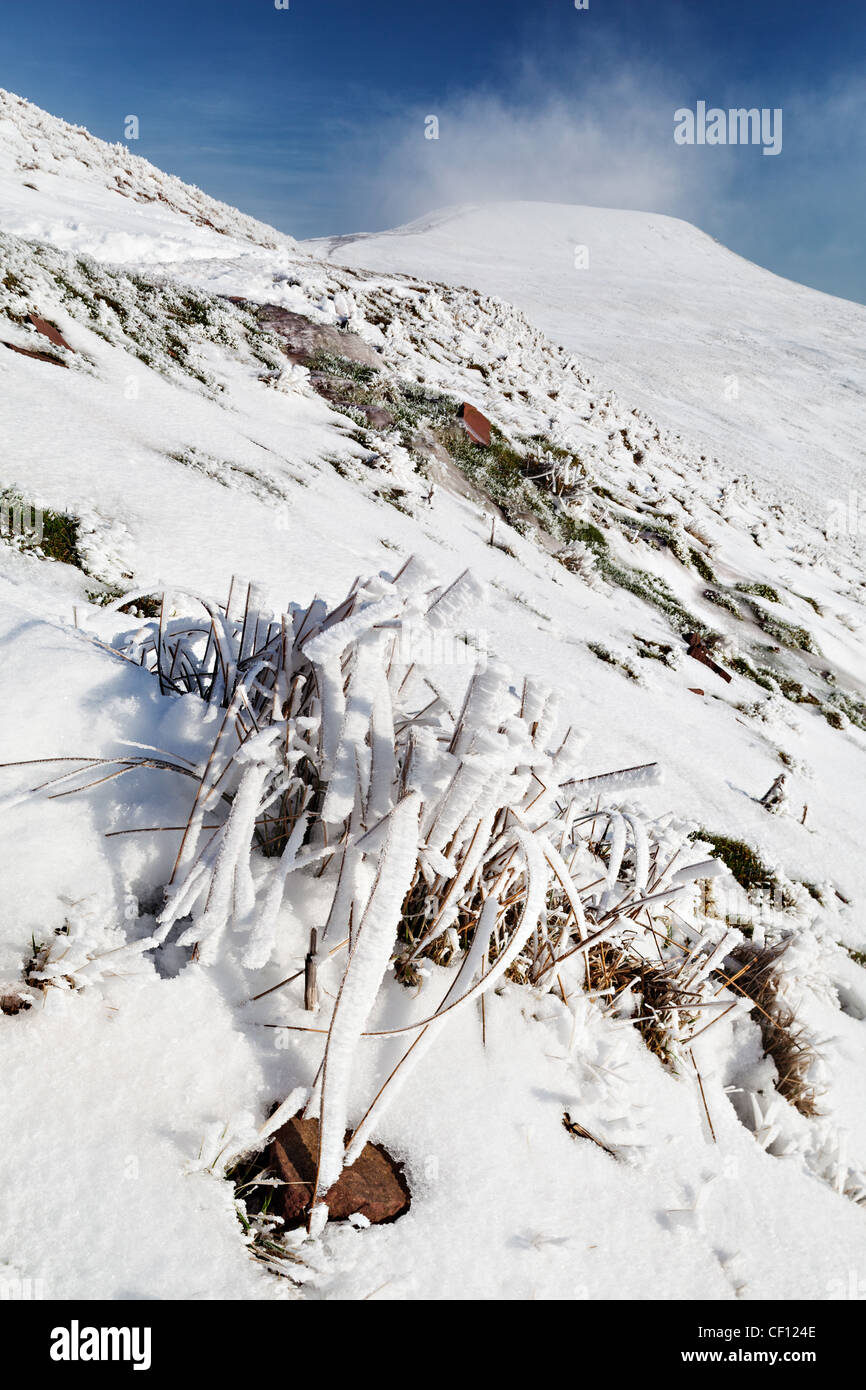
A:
[(768, 374)]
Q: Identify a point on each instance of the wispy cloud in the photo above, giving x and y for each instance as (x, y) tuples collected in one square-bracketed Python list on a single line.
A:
[(608, 141)]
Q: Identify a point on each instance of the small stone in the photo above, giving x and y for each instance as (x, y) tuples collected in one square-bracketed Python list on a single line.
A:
[(373, 1187), (304, 339)]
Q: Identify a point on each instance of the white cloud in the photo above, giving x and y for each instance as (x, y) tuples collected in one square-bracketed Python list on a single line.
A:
[(608, 143)]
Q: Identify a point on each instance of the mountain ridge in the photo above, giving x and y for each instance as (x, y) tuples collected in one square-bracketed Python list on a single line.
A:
[(669, 317), (62, 184)]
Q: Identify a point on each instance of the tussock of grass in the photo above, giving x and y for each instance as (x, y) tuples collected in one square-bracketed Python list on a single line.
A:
[(264, 1231), (744, 668), (654, 651), (663, 1003), (610, 660), (653, 590), (783, 1039), (794, 691), (842, 706), (703, 567), (344, 367), (60, 539), (786, 634), (144, 606), (813, 603), (723, 600), (759, 591), (53, 535)]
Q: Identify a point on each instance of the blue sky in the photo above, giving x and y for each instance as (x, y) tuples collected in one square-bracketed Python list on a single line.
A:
[(313, 117)]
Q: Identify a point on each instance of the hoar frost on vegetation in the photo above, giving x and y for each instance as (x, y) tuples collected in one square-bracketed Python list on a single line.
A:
[(448, 834)]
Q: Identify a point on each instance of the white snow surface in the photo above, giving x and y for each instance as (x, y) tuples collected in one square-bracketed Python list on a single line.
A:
[(59, 183), (764, 372), (123, 1089)]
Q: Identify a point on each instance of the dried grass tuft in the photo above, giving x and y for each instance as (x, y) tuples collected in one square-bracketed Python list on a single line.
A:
[(783, 1038), (667, 1009), (447, 830)]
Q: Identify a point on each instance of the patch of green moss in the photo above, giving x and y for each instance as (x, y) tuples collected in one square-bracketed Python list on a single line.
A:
[(585, 532), (333, 365), (746, 866), (849, 706), (743, 668), (699, 563), (610, 660), (759, 591), (786, 634), (722, 600)]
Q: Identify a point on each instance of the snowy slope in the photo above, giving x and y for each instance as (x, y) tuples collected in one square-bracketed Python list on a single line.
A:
[(189, 449), (59, 183), (765, 373)]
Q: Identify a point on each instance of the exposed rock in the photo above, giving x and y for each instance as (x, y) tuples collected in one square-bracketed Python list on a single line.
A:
[(49, 331), (477, 426), (374, 1186), (39, 356), (442, 469), (304, 338), (698, 650)]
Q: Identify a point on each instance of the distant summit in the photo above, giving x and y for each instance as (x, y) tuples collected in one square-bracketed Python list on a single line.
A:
[(765, 371)]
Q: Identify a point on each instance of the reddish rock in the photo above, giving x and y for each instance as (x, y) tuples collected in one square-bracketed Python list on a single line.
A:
[(304, 338), (374, 1186), (699, 652), (49, 331), (39, 356), (477, 426)]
